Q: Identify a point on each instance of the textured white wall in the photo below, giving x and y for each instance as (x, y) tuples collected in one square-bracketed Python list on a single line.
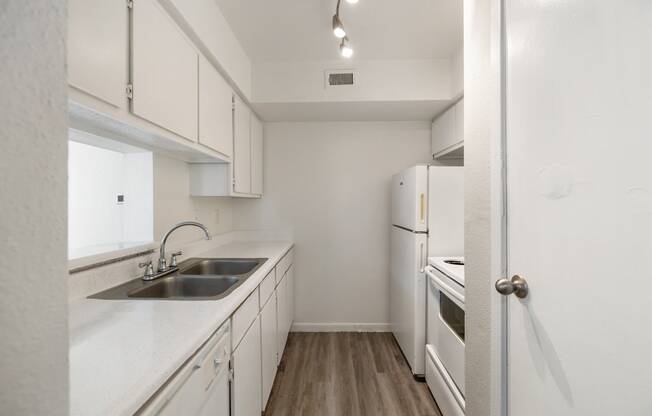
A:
[(173, 204), (33, 261), (330, 184), (483, 204)]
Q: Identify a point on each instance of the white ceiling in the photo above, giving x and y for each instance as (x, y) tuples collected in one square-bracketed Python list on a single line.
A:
[(296, 30)]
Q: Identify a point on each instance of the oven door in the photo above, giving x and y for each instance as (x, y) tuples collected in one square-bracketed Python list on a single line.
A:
[(445, 327)]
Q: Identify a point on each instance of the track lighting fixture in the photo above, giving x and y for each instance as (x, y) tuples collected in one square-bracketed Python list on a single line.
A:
[(345, 48), (338, 27), (338, 30)]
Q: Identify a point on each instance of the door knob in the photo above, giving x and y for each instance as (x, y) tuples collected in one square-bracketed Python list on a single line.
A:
[(517, 286)]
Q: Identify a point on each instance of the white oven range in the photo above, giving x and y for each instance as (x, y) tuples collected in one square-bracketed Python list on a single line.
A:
[(445, 333)]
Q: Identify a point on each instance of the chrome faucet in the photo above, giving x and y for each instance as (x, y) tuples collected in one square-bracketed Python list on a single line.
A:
[(162, 263)]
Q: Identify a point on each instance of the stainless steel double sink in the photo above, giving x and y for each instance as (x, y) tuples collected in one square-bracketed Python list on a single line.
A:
[(196, 279)]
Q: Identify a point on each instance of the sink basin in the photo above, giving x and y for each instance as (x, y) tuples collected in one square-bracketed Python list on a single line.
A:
[(197, 279), (219, 267), (186, 287)]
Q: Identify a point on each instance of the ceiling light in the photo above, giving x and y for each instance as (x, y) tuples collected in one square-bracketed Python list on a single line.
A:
[(338, 27), (352, 1), (345, 48)]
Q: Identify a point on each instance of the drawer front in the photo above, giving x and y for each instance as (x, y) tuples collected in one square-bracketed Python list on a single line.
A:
[(243, 317), (267, 287), (450, 401), (283, 265)]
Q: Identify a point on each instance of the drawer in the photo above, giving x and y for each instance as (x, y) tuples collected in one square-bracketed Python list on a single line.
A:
[(441, 385), (267, 287), (283, 265), (243, 317)]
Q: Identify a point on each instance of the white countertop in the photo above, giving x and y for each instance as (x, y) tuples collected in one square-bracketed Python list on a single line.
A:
[(122, 351)]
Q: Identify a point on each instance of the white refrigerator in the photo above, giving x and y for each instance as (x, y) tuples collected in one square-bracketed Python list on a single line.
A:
[(427, 220)]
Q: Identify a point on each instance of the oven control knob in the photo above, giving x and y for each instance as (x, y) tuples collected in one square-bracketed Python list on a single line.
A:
[(517, 286)]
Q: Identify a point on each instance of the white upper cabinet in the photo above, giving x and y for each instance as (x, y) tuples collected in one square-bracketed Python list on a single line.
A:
[(256, 156), (241, 147), (98, 33), (448, 131), (215, 109), (459, 119), (164, 66)]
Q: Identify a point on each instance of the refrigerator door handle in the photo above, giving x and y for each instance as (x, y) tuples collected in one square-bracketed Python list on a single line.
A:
[(422, 208)]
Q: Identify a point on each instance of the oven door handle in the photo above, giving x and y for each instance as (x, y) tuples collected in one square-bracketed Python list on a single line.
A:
[(443, 286)]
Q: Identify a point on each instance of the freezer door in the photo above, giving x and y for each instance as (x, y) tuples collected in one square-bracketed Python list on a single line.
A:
[(410, 199), (446, 211), (408, 295)]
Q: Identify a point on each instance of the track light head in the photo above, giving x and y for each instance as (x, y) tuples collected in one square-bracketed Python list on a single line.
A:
[(345, 48), (338, 27)]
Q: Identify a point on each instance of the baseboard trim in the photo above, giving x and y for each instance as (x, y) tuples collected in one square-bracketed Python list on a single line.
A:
[(339, 327)]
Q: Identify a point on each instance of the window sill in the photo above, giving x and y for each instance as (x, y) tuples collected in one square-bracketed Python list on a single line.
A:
[(111, 254)]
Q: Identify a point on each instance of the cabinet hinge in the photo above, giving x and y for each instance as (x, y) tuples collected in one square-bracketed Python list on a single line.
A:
[(130, 91), (130, 4)]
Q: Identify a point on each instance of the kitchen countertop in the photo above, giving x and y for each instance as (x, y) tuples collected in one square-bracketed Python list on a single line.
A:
[(123, 351)]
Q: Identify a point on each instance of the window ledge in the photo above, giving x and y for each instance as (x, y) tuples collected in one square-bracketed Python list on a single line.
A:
[(108, 257)]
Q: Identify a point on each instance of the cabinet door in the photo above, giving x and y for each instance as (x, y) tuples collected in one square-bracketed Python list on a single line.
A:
[(98, 48), (268, 342), (290, 289), (241, 147), (246, 391), (164, 71), (459, 120), (215, 109), (256, 156), (282, 315), (443, 131)]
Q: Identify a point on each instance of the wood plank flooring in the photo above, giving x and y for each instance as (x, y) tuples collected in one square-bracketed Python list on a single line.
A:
[(346, 374)]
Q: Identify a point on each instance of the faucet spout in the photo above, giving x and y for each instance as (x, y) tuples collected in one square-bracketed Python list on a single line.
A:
[(162, 263)]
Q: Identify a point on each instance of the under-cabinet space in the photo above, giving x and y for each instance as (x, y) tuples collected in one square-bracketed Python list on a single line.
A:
[(164, 70)]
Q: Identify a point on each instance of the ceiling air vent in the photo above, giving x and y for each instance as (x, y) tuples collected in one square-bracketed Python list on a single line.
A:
[(337, 78)]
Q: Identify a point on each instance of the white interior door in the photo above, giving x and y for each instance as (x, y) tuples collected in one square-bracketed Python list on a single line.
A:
[(579, 200)]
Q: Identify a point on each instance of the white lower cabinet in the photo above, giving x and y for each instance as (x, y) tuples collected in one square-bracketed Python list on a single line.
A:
[(246, 386), (268, 350), (290, 289), (282, 310)]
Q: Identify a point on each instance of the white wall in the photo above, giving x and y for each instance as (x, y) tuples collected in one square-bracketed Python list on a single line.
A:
[(172, 203), (329, 183), (483, 204), (33, 261), (380, 80)]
